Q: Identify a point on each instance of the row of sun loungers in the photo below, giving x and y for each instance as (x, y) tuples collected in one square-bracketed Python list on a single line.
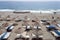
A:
[(52, 29), (20, 36), (28, 36), (29, 27)]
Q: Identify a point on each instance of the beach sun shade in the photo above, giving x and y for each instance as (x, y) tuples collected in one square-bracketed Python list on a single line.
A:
[(10, 28), (57, 32), (3, 35), (51, 27)]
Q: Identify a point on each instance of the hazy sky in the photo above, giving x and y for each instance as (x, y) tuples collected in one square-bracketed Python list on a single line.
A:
[(29, 0)]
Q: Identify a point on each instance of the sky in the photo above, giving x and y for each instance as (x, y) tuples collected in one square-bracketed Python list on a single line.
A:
[(29, 0)]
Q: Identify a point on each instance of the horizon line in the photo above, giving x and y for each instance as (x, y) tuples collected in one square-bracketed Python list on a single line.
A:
[(31, 1)]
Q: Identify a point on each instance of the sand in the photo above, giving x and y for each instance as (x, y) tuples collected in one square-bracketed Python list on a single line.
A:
[(27, 20)]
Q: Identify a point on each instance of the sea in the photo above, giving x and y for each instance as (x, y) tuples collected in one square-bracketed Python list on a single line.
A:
[(26, 5)]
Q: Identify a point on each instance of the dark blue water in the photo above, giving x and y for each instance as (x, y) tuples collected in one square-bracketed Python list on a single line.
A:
[(29, 5)]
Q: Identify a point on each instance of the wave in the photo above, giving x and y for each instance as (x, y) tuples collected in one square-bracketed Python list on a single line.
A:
[(7, 10), (58, 10)]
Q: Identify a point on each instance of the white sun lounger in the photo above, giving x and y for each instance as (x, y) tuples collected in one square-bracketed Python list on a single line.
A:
[(58, 25), (41, 22), (33, 35), (24, 26), (28, 27), (27, 36), (18, 35), (40, 36), (35, 27), (47, 25)]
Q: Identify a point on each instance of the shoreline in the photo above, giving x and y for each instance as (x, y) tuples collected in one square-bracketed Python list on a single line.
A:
[(31, 11)]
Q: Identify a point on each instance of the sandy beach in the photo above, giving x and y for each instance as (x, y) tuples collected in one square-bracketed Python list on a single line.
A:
[(26, 19)]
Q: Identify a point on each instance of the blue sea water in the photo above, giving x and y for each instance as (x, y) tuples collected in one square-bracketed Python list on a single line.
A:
[(29, 5)]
